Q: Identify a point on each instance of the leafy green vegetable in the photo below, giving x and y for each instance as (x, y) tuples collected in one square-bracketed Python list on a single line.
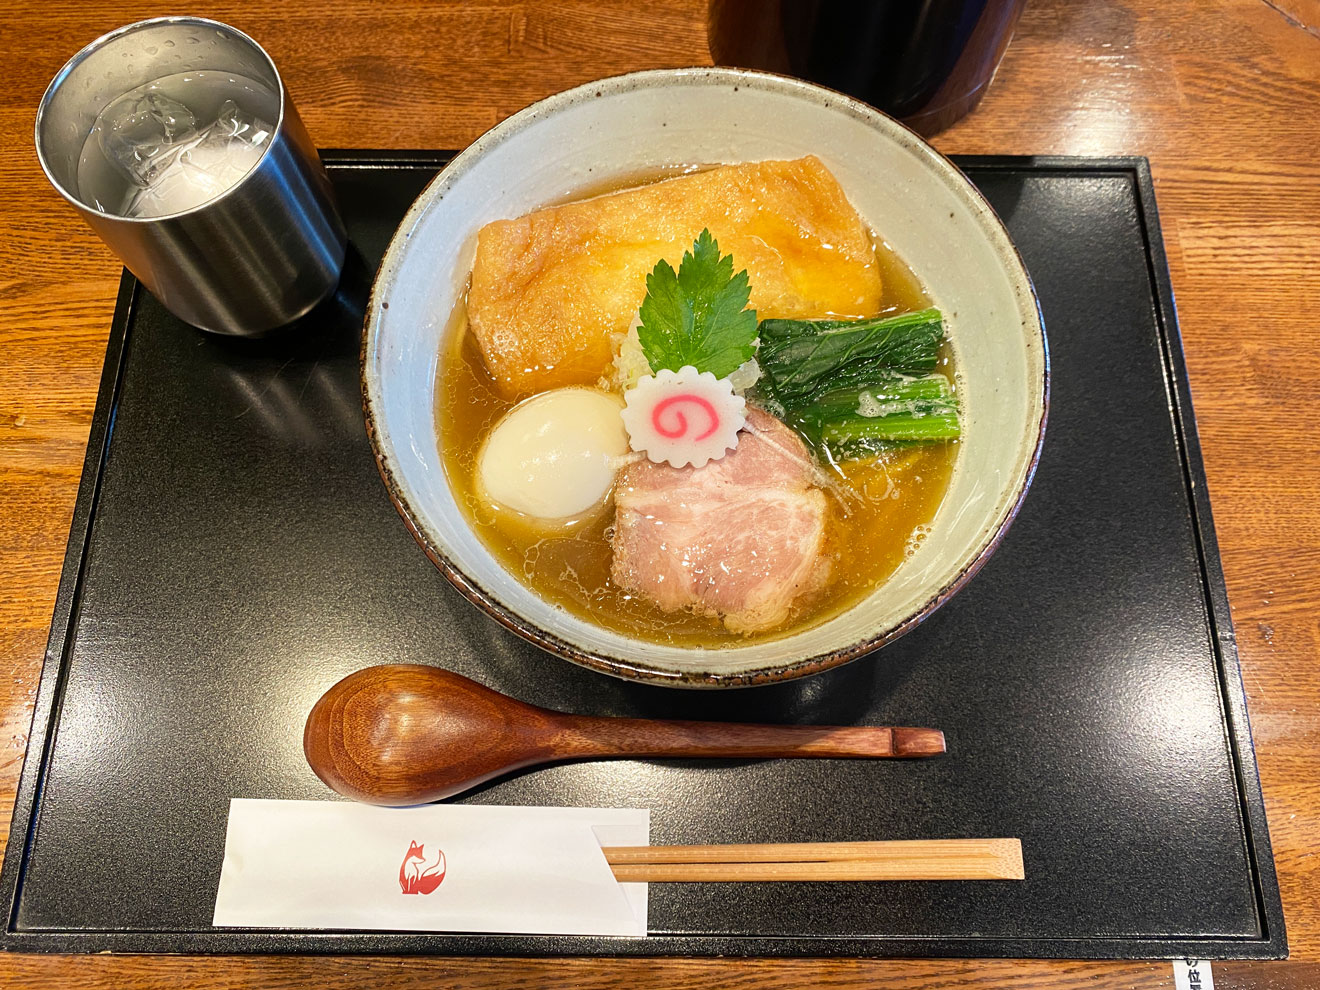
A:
[(806, 357), (887, 391), (897, 410), (856, 387), (699, 315)]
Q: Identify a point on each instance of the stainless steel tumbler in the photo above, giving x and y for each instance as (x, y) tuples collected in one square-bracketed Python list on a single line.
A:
[(259, 254)]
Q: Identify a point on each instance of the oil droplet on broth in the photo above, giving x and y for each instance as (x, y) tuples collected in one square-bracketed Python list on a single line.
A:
[(915, 541)]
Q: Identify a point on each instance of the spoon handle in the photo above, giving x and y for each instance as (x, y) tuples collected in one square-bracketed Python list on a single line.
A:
[(652, 737)]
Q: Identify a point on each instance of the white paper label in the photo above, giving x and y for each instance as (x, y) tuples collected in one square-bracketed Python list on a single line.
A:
[(457, 868), (1192, 974)]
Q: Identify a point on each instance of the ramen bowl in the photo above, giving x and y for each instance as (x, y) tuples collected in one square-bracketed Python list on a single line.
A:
[(627, 125)]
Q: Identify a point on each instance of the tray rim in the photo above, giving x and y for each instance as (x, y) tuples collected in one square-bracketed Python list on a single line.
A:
[(1270, 943)]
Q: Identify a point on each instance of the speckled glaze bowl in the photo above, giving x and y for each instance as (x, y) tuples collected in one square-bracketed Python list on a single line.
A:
[(914, 198)]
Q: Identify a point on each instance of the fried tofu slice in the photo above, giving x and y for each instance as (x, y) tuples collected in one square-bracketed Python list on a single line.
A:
[(551, 289)]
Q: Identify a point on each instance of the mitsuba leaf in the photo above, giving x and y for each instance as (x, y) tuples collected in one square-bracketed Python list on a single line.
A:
[(698, 315)]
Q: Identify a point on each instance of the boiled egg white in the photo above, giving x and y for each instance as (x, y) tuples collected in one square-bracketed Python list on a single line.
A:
[(553, 457)]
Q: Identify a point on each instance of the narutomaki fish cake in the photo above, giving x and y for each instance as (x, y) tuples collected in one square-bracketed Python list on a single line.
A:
[(550, 290)]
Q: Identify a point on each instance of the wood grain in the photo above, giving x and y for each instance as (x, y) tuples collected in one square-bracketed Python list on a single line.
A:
[(1222, 95), (1007, 850), (903, 859), (843, 871)]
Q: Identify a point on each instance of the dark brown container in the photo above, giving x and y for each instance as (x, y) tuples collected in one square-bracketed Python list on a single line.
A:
[(926, 62)]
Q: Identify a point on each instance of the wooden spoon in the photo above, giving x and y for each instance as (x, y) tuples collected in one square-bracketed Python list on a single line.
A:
[(406, 734)]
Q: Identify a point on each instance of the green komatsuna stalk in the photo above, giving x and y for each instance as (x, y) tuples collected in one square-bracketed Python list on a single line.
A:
[(896, 411)]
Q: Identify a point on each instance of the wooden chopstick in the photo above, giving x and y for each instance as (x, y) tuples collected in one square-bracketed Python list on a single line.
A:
[(897, 859)]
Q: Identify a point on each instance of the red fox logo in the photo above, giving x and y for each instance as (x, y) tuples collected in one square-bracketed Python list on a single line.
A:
[(414, 877)]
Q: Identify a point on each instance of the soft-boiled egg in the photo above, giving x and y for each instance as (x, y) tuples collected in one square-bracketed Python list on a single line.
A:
[(553, 456)]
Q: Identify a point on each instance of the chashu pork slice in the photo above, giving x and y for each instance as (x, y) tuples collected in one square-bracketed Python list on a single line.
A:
[(739, 538), (551, 289)]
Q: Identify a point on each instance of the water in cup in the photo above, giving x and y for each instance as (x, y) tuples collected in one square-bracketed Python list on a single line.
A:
[(175, 143)]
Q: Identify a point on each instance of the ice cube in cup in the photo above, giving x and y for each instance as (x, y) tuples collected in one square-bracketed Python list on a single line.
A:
[(205, 166), (142, 132)]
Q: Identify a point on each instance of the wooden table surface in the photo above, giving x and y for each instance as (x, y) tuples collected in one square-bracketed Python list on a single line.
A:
[(1222, 95)]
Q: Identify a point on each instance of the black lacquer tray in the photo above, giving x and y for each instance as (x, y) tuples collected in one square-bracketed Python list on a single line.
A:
[(233, 553)]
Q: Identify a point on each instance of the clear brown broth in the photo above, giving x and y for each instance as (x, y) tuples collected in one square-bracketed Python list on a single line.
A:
[(880, 508)]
